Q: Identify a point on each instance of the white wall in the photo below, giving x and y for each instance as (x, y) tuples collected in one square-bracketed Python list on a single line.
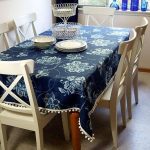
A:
[(15, 8)]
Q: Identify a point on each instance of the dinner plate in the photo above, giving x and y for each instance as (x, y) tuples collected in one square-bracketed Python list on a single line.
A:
[(43, 41), (71, 46)]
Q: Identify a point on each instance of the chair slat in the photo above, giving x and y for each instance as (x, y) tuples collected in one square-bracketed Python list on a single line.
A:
[(10, 87), (105, 13), (4, 29), (20, 22)]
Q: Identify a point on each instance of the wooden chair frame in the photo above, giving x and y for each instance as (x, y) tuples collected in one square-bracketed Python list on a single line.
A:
[(22, 114), (116, 91), (134, 63)]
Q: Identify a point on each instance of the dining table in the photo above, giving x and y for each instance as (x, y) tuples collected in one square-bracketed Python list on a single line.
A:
[(71, 82)]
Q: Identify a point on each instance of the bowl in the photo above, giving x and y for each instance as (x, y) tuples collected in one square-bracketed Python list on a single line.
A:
[(43, 42)]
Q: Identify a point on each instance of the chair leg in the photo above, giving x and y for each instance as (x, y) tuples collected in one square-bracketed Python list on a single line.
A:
[(128, 96), (123, 109), (135, 86), (113, 122), (65, 124), (3, 136), (39, 139)]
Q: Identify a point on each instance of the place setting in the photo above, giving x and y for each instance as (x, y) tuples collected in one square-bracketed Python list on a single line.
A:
[(64, 34)]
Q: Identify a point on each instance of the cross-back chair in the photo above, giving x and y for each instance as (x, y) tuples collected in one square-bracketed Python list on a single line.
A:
[(105, 14), (134, 63), (4, 29), (21, 114), (115, 92), (23, 26)]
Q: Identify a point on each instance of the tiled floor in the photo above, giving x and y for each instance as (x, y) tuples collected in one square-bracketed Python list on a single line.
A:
[(136, 136)]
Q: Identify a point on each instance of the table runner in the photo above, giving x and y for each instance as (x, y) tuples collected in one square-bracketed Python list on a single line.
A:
[(71, 81)]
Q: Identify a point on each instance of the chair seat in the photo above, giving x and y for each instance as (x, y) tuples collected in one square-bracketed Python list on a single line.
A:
[(17, 120), (107, 93)]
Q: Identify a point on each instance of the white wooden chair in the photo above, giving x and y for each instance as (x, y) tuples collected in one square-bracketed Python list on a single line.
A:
[(104, 15), (23, 26), (115, 92), (134, 63), (3, 32), (21, 114)]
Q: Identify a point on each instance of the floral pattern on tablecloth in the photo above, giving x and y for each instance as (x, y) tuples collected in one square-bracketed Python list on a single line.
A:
[(71, 81)]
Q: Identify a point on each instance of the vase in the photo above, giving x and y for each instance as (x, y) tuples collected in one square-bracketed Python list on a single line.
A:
[(144, 4), (124, 5), (114, 4), (134, 5)]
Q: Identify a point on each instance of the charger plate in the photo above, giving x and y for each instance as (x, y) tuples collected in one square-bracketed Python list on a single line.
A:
[(71, 46)]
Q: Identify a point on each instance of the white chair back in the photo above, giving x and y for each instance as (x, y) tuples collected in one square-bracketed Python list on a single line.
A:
[(105, 13), (134, 63), (20, 23), (22, 70), (139, 43), (115, 92), (3, 32), (22, 113), (120, 79)]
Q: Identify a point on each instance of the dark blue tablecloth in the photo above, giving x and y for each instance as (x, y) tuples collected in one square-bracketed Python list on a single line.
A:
[(71, 81)]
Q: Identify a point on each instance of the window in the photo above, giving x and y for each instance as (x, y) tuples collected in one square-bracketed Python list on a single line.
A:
[(94, 2), (107, 3)]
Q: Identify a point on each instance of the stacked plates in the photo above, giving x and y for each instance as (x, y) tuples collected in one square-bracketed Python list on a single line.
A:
[(71, 46), (43, 42)]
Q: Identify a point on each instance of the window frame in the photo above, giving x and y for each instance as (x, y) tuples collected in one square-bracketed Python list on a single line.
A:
[(107, 4), (119, 1)]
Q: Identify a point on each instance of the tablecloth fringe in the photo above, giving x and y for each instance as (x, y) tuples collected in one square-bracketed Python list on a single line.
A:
[(45, 111), (87, 136), (42, 110), (100, 96), (58, 111)]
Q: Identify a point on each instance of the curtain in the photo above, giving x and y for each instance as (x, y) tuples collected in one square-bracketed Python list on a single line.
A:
[(72, 18)]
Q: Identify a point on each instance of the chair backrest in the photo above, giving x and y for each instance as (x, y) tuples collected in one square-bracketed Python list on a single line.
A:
[(20, 71), (3, 32), (105, 14), (125, 49), (134, 62), (22, 22)]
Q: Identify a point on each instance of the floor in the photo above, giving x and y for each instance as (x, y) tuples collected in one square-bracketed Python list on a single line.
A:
[(134, 137)]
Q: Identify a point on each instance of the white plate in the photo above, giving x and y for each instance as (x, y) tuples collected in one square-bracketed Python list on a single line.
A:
[(71, 46)]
